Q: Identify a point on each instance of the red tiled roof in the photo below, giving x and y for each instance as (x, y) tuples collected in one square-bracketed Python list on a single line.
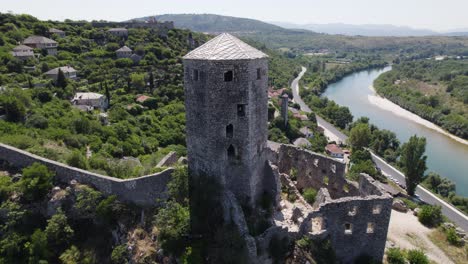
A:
[(142, 98), (333, 148)]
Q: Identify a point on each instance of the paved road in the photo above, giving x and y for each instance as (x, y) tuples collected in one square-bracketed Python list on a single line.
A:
[(448, 210)]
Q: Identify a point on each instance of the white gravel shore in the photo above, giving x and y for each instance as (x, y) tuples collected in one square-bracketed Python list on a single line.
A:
[(388, 105)]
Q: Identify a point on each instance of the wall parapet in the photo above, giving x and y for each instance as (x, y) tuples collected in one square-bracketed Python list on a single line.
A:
[(143, 191)]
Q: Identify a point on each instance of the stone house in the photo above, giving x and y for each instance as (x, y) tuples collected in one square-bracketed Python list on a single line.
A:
[(124, 52), (57, 32), (118, 32), (335, 151), (68, 71), (40, 42), (94, 100), (22, 52)]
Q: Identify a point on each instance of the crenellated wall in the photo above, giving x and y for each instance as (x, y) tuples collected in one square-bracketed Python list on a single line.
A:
[(143, 191)]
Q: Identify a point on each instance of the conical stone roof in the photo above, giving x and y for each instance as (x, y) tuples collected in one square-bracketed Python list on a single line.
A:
[(225, 47)]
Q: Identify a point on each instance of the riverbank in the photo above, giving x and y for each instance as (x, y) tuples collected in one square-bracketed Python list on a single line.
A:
[(388, 105)]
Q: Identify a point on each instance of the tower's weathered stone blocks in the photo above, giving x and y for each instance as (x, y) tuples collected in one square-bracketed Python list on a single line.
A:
[(226, 111)]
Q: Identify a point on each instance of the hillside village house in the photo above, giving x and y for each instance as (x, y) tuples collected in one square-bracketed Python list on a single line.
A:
[(22, 52), (124, 52), (119, 32), (57, 32), (68, 71), (40, 42), (335, 151), (94, 100)]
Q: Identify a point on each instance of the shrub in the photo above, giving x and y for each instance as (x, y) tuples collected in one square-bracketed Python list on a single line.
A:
[(19, 141), (416, 256), (452, 237), (76, 159), (37, 121), (119, 254), (430, 215), (395, 256), (36, 182), (309, 195)]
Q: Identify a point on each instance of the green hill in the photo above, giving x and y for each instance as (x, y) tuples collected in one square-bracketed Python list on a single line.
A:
[(216, 23), (303, 41)]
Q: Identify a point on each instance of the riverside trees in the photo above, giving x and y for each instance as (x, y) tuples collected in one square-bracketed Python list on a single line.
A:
[(413, 162)]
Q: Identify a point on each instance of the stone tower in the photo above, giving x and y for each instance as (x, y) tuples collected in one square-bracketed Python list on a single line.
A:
[(226, 112)]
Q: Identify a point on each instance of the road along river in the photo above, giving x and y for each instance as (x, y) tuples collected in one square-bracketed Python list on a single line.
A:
[(445, 155)]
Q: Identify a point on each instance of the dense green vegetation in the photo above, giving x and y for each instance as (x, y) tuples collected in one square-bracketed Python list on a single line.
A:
[(322, 71), (78, 224), (435, 90), (42, 120), (445, 188)]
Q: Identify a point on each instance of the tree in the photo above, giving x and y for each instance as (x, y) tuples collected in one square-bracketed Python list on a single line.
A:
[(151, 82), (61, 80), (36, 182), (359, 136), (38, 247), (71, 255), (178, 186), (14, 109), (59, 233), (413, 162), (173, 224), (108, 95)]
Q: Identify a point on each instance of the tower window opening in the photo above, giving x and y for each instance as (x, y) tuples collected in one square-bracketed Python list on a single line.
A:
[(228, 76), (348, 228), (229, 131), (241, 110), (259, 73), (231, 152), (195, 75)]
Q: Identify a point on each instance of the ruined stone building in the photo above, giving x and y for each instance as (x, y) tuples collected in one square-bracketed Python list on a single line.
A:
[(233, 168)]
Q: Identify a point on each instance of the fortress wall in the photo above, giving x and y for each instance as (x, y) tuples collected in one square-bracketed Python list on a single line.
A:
[(143, 191)]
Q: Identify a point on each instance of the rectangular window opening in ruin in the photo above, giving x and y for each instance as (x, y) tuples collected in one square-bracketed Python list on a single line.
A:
[(228, 76), (195, 75), (259, 73), (376, 209), (370, 228), (241, 110), (348, 229), (317, 224), (352, 211)]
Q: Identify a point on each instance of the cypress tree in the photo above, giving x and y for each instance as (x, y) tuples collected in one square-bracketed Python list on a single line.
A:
[(61, 80)]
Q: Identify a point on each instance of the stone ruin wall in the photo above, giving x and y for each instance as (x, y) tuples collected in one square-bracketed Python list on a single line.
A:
[(356, 225), (143, 191), (355, 216)]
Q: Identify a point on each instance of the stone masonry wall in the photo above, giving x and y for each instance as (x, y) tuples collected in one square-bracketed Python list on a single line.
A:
[(314, 170), (143, 191)]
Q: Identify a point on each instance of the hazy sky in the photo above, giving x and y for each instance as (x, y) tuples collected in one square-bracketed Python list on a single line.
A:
[(431, 14)]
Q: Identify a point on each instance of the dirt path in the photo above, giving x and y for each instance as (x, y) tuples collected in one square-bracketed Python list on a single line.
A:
[(408, 233)]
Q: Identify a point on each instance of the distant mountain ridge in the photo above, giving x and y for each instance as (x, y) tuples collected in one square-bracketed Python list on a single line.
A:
[(369, 30), (361, 30), (215, 23)]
